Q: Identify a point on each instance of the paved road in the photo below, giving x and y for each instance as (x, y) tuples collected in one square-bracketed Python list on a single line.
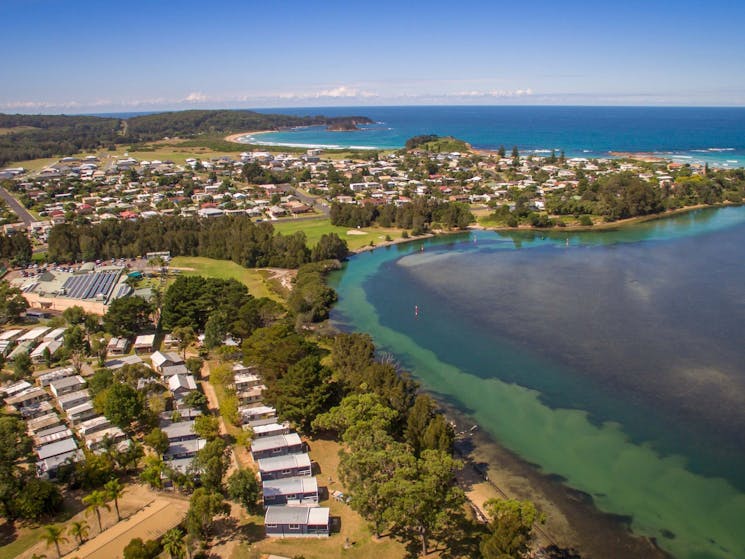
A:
[(316, 203), (17, 207)]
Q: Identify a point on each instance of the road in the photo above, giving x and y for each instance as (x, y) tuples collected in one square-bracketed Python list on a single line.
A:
[(316, 203), (17, 207)]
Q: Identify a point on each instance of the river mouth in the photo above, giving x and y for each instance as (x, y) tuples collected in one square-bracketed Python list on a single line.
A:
[(585, 355)]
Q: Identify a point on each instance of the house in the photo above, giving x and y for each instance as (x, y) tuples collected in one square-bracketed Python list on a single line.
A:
[(258, 415), (15, 388), (34, 335), (181, 385), (270, 430), (184, 449), (180, 431), (37, 409), (171, 370), (66, 385), (27, 397), (294, 490), (43, 422), (145, 343), (53, 455), (52, 434), (81, 412), (72, 399), (117, 346), (159, 360), (296, 522), (40, 353), (55, 335), (96, 440), (279, 445), (114, 364), (45, 379), (89, 426), (278, 467)]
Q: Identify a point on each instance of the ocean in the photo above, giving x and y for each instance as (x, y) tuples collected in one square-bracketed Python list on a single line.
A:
[(611, 360), (684, 134)]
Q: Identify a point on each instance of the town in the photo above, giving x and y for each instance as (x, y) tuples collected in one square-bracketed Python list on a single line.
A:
[(203, 410)]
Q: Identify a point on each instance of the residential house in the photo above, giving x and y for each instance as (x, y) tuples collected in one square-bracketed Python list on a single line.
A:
[(291, 490), (65, 385), (296, 522), (290, 465), (145, 343), (72, 399), (279, 445)]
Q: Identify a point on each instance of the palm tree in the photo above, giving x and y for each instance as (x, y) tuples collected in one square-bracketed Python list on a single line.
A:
[(79, 530), (53, 535), (114, 490), (96, 501), (173, 543)]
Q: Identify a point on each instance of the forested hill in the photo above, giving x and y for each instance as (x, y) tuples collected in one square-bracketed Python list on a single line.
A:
[(33, 136)]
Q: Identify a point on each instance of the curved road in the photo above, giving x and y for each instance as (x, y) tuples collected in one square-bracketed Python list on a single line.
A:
[(17, 207)]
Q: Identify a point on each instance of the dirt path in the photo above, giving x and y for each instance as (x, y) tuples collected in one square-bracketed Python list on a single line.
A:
[(150, 523)]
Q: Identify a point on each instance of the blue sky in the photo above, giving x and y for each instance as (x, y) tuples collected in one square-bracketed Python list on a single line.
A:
[(80, 56)]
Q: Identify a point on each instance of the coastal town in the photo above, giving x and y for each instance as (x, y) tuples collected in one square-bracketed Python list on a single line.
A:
[(113, 388)]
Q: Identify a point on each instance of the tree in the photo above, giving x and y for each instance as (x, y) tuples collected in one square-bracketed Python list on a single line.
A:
[(123, 405), (54, 536), (424, 499), (173, 543), (152, 472), (114, 491), (157, 440), (137, 549), (74, 315), (22, 365), (37, 498), (12, 303), (127, 316), (212, 463), (243, 487), (197, 400), (304, 392), (207, 427), (79, 530), (185, 336), (203, 507), (501, 152), (94, 503), (418, 420), (215, 329), (330, 247), (15, 450), (510, 528)]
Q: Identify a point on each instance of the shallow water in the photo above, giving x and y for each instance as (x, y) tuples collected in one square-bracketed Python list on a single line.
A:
[(613, 359)]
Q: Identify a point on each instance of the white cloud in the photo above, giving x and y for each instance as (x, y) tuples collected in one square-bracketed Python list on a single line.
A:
[(340, 92), (493, 93), (196, 97)]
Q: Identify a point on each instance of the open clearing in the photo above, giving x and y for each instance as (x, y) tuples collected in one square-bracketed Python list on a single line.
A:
[(315, 228), (255, 280)]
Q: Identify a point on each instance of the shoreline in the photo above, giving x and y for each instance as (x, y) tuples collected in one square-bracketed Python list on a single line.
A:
[(234, 137)]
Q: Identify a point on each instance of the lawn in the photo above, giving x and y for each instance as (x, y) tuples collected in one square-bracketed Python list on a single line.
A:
[(315, 228), (255, 280), (353, 528)]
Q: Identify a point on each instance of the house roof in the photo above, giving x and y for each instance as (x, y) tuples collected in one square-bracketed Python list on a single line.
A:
[(181, 382), (56, 448), (179, 429), (289, 486), (278, 441), (314, 516), (287, 462)]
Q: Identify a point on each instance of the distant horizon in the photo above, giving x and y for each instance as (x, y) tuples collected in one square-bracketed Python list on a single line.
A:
[(322, 107)]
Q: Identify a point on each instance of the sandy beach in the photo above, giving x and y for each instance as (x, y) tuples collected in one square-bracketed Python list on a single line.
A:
[(235, 137)]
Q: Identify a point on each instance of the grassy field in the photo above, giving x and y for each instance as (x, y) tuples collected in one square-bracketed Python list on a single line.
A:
[(353, 528), (315, 228), (256, 280)]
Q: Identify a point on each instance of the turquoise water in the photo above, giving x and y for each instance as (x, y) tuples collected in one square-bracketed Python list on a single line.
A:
[(614, 360), (685, 134)]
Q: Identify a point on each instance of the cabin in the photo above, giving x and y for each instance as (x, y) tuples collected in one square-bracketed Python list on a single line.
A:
[(117, 346), (258, 415), (119, 362), (291, 490), (172, 370), (37, 409), (96, 440), (145, 343), (279, 467), (53, 455), (181, 385), (34, 335), (52, 434), (90, 426), (27, 397), (45, 379), (296, 522), (15, 388), (184, 449), (180, 431), (43, 422), (81, 412), (278, 445), (270, 430), (160, 360), (39, 354), (72, 399), (65, 385)]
